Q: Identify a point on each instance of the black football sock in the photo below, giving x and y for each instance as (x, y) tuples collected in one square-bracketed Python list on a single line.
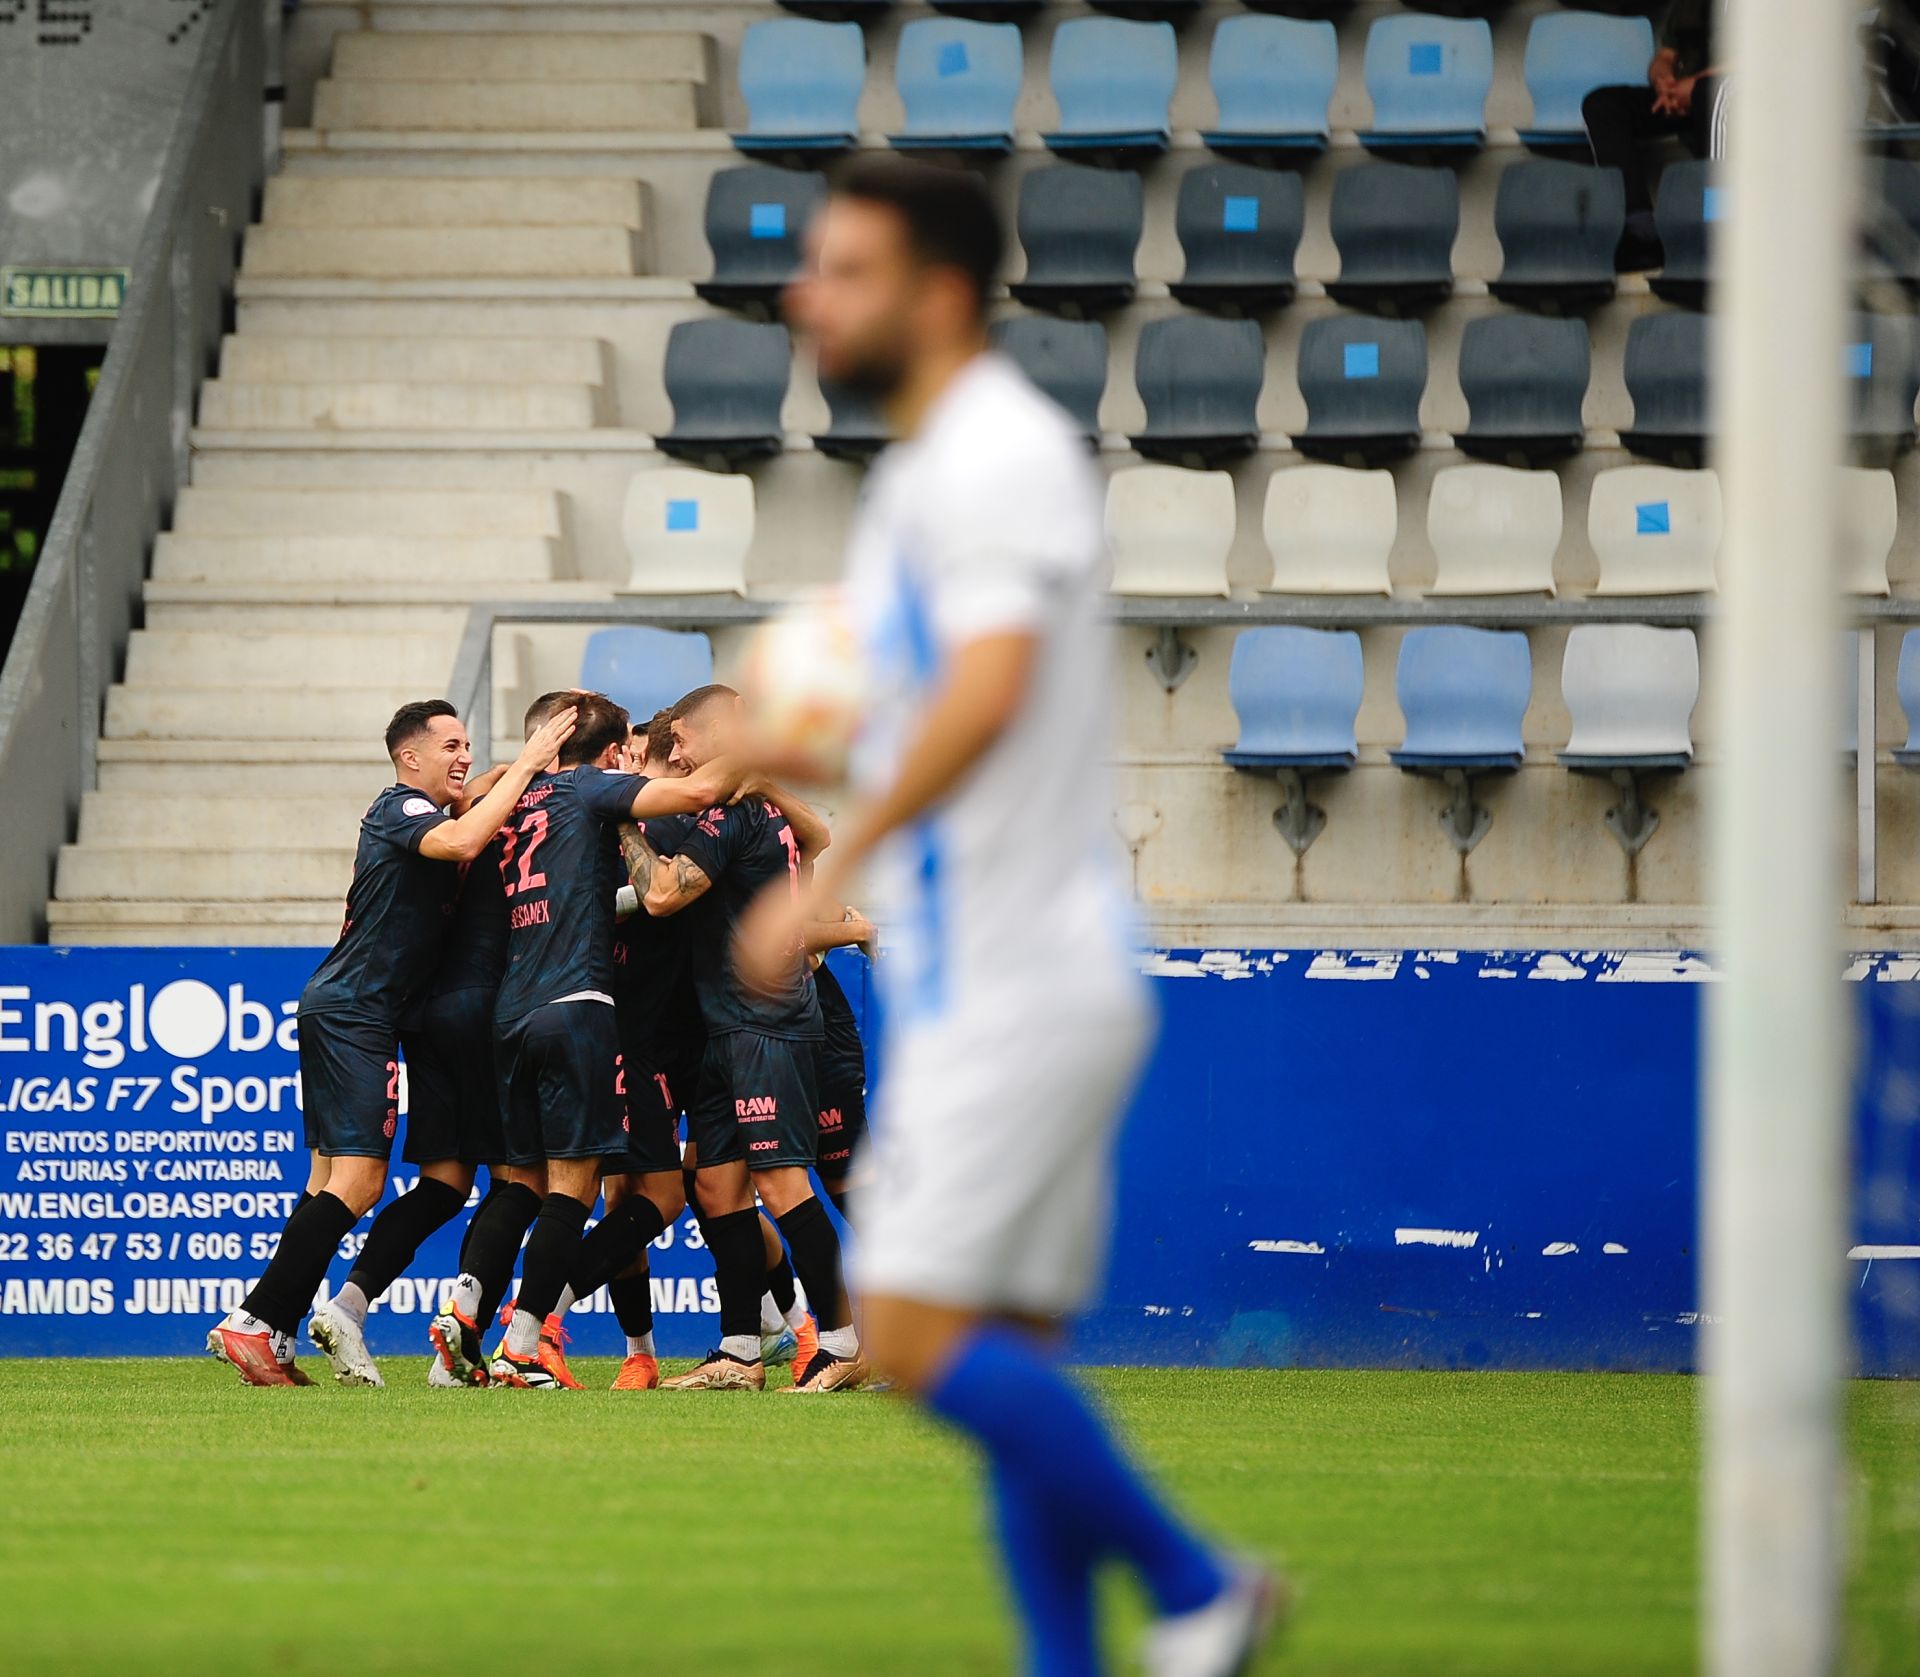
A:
[(285, 1293), (398, 1232), (614, 1242), (740, 1272), (496, 1186), (302, 1200), (553, 1253), (632, 1297), (493, 1245), (816, 1258), (780, 1284)]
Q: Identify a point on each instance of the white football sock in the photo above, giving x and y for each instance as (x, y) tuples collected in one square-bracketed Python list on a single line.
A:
[(238, 1321), (567, 1302), (742, 1347), (640, 1345), (798, 1313), (351, 1302), (770, 1321), (842, 1342), (523, 1336), (466, 1296)]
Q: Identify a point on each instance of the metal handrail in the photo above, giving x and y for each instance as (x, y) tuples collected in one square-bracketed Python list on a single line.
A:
[(130, 457)]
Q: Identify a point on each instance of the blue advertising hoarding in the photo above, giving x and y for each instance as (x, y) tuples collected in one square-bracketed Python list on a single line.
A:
[(1405, 1158)]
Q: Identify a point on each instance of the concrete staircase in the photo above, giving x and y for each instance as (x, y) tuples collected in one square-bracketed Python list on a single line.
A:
[(291, 609)]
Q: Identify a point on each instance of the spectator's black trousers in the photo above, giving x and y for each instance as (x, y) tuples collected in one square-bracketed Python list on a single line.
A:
[(1621, 120)]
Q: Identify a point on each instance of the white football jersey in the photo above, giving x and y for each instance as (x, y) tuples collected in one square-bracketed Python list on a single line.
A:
[(990, 520)]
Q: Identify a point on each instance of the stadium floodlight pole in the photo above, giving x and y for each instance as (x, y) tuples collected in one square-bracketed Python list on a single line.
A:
[(1775, 1132)]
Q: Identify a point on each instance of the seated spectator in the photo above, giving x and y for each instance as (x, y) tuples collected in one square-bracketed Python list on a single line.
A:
[(1683, 94)]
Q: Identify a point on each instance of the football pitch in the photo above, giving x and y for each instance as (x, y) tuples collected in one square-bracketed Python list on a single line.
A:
[(161, 1518)]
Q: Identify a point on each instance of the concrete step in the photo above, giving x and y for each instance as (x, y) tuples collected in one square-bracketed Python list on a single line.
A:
[(227, 405), (592, 17), (354, 772), (487, 107), (204, 614), (135, 873), (263, 358), (267, 713), (424, 201), (159, 657), (474, 563), (180, 816), (376, 512), (386, 55), (380, 253), (399, 603), (301, 923)]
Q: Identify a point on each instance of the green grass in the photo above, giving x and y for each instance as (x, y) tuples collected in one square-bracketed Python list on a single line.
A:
[(160, 1518)]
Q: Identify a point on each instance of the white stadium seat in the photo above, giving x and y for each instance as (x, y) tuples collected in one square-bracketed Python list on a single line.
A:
[(1494, 529), (1630, 691), (1330, 529), (688, 531), (1869, 515), (1169, 530), (1655, 529)]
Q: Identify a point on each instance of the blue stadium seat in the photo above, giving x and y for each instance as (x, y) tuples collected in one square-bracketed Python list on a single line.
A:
[(856, 428), (645, 669), (801, 80), (1685, 208), (958, 80), (1524, 378), (726, 380), (1065, 358), (1428, 78), (1568, 55), (1558, 225), (1908, 681), (755, 217), (1666, 374), (1883, 375), (1362, 380), (1079, 228), (1239, 227), (1463, 693), (1200, 379), (1394, 225), (1297, 694), (1273, 78), (1113, 81)]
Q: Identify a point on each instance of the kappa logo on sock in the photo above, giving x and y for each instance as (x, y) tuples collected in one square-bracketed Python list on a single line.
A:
[(756, 1108), (387, 1128)]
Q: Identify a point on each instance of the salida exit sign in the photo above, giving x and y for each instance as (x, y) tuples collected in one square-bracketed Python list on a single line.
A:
[(76, 293)]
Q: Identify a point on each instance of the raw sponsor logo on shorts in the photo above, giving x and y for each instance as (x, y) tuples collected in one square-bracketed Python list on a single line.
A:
[(757, 1109)]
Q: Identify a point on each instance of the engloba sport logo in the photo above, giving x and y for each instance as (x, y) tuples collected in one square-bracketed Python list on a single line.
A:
[(186, 1019)]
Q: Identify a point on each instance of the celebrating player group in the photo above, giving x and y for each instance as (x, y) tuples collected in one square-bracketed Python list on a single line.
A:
[(555, 1042)]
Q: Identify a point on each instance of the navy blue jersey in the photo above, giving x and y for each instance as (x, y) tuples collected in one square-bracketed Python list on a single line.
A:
[(398, 910), (652, 955), (741, 848), (474, 956), (558, 875)]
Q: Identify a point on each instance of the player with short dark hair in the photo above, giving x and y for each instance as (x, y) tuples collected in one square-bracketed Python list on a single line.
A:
[(406, 876), (754, 1120)]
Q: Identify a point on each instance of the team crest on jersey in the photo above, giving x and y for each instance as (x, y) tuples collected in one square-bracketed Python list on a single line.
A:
[(419, 806), (710, 822)]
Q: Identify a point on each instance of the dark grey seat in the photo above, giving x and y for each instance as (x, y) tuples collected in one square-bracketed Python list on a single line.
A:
[(1394, 225), (1362, 379), (1883, 378), (1684, 211), (1065, 358), (1079, 228), (726, 380), (1558, 225), (755, 218), (856, 428), (1239, 227), (1524, 378), (1200, 379), (1893, 219), (1666, 374)]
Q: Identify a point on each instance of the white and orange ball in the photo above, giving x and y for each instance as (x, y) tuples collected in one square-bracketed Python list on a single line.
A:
[(806, 685)]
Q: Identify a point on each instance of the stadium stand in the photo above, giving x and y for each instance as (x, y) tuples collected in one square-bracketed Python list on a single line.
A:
[(1297, 693), (1362, 380), (1428, 79), (1655, 530), (645, 669), (1666, 374), (1239, 228), (1079, 228), (1568, 55), (755, 217), (1066, 358), (1494, 530), (1464, 693), (1273, 80), (1558, 224), (1525, 380), (1170, 530), (1200, 379), (856, 428), (958, 80), (1330, 530), (801, 81), (687, 531), (1113, 81), (1685, 207), (1394, 225), (727, 380)]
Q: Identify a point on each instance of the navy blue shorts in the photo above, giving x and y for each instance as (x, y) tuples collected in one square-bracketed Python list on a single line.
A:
[(453, 1094), (559, 1083), (756, 1101), (653, 1100), (349, 1085), (840, 1072)]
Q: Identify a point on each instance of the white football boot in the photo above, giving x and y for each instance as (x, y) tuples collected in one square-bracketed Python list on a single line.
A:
[(340, 1337), (1221, 1638)]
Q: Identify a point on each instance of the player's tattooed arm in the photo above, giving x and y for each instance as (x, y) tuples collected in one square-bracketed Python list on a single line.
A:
[(640, 857), (676, 881)]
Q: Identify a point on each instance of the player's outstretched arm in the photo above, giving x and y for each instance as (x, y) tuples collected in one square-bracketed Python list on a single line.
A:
[(851, 930), (718, 782), (663, 884), (464, 837), (477, 788)]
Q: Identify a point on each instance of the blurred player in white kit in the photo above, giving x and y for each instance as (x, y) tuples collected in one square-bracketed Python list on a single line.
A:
[(1015, 1018)]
